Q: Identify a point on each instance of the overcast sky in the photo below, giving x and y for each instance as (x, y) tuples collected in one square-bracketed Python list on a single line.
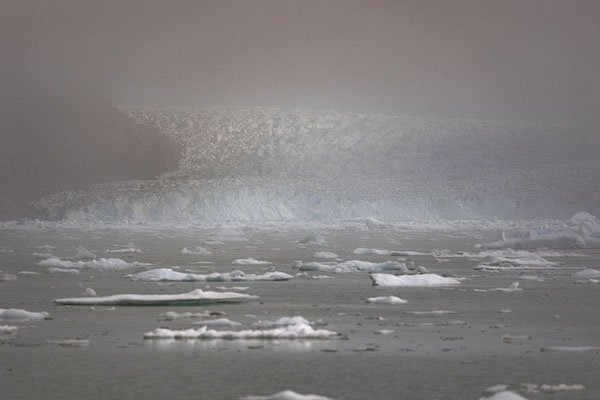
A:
[(504, 59)]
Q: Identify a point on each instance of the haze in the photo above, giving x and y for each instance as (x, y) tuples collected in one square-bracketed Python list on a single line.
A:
[(534, 60)]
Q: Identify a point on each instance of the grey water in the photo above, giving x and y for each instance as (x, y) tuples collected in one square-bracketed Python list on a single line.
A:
[(428, 356)]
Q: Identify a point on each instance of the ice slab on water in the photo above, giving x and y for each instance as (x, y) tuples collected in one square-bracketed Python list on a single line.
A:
[(168, 275), (325, 254), (287, 395), (297, 331), (353, 266), (386, 300), (16, 314), (506, 395), (194, 297), (103, 264), (587, 274), (249, 261), (197, 250), (422, 280)]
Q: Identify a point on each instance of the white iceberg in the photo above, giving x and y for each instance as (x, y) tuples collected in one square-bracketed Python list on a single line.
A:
[(283, 321), (218, 322), (513, 287), (168, 275), (195, 297), (313, 239), (423, 280), (506, 395), (298, 331), (386, 300)]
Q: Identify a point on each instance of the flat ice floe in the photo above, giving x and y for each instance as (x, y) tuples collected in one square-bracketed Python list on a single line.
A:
[(575, 349), (103, 264), (249, 261), (16, 314), (298, 331), (506, 395), (386, 300), (287, 395), (353, 266), (513, 287), (423, 280), (195, 297), (124, 250), (587, 274), (325, 254), (168, 275)]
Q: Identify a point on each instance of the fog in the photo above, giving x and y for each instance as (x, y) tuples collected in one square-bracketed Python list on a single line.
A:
[(533, 60)]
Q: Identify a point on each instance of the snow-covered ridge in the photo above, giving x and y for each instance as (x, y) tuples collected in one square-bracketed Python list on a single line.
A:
[(263, 164)]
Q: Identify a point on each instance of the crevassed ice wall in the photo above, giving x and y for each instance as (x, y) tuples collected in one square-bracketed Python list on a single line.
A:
[(262, 164)]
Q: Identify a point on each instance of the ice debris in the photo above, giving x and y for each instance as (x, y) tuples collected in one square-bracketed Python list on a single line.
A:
[(168, 275), (423, 280), (287, 395), (386, 300), (298, 331), (16, 314)]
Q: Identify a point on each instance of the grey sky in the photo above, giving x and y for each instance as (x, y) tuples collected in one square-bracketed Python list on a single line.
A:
[(504, 59)]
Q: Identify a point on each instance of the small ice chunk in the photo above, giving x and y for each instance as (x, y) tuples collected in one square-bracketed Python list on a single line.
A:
[(561, 387), (124, 250), (325, 254), (84, 254), (197, 250), (4, 277), (433, 312), (191, 298), (514, 287), (587, 274), (103, 264), (423, 280), (313, 239), (249, 261), (496, 388), (62, 271), (366, 251), (69, 342), (6, 330), (16, 314), (88, 292), (354, 266), (384, 332), (386, 300), (572, 348), (287, 395)]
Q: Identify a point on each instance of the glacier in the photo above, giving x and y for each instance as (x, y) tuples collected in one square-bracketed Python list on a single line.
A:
[(259, 164)]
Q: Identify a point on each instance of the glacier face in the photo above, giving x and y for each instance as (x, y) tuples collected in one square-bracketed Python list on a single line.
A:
[(264, 164)]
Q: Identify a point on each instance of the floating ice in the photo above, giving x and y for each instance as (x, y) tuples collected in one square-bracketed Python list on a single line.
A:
[(386, 300), (103, 264), (249, 261), (353, 266), (513, 287), (506, 395), (6, 330), (575, 349), (587, 274), (433, 312), (561, 387), (287, 395), (297, 331), (325, 254), (313, 239), (85, 254), (22, 315), (365, 251), (197, 250), (195, 297), (4, 277), (423, 280), (496, 388), (69, 342), (168, 275), (124, 250), (62, 271), (171, 315)]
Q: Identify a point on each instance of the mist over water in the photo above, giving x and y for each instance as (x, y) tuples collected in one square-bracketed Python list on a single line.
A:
[(533, 65)]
